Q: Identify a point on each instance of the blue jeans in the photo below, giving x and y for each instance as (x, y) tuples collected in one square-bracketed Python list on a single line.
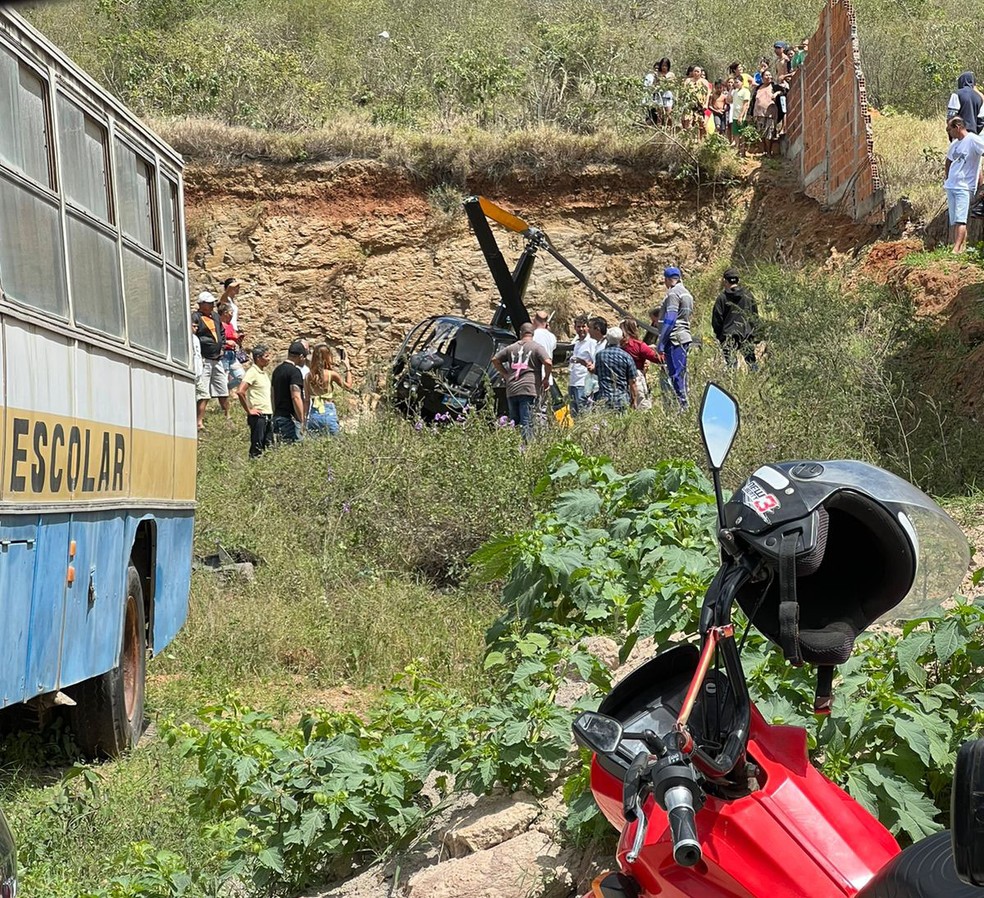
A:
[(228, 361), (287, 429), (578, 398), (676, 369), (320, 422), (521, 413)]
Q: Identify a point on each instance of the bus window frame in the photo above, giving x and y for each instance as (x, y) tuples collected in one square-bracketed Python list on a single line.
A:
[(166, 165), (43, 74), (104, 122), (150, 160), (154, 255), (166, 178)]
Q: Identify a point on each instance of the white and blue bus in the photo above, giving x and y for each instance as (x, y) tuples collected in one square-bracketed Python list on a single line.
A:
[(97, 479)]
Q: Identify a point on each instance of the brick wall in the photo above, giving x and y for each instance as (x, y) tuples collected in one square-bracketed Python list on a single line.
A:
[(828, 127)]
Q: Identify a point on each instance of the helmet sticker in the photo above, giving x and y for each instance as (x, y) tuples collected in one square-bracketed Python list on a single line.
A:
[(776, 479), (756, 498)]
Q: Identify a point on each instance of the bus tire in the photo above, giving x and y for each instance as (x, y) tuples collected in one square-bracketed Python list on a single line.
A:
[(108, 716)]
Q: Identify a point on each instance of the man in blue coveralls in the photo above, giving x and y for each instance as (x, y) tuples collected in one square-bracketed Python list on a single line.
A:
[(674, 336)]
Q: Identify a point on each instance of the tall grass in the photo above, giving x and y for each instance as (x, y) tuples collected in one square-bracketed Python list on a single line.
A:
[(911, 153), (465, 155)]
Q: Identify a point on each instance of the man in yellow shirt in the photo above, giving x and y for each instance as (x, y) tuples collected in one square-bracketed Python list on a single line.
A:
[(254, 397)]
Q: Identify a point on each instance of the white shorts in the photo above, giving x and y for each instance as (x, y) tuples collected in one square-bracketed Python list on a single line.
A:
[(214, 380), (958, 203)]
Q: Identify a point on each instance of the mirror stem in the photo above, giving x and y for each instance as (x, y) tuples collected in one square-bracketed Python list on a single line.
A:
[(718, 496)]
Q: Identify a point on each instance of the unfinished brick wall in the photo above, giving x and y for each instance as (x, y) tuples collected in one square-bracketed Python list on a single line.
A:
[(829, 127)]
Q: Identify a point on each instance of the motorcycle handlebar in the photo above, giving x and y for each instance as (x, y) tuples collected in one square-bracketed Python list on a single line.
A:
[(679, 801)]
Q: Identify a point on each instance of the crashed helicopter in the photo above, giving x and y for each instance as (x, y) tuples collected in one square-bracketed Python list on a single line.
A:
[(444, 365)]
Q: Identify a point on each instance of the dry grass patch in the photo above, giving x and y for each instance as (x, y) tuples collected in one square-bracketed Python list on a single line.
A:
[(911, 152), (439, 156)]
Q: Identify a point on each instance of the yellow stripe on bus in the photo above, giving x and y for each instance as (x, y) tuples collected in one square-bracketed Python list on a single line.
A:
[(55, 458)]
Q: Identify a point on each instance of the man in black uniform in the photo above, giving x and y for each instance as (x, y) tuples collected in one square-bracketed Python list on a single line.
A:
[(287, 386), (734, 321)]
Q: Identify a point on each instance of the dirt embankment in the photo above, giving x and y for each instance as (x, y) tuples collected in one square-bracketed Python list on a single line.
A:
[(948, 294), (355, 253)]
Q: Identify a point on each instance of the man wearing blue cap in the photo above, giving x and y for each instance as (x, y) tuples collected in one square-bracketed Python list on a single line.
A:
[(674, 336)]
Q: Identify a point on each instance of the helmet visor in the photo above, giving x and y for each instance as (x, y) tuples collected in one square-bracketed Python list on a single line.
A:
[(942, 551)]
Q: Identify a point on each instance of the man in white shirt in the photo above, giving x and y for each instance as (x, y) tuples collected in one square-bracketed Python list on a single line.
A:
[(963, 177), (543, 336), (582, 355)]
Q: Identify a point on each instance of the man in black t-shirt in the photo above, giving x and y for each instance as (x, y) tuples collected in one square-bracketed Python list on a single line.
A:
[(287, 387)]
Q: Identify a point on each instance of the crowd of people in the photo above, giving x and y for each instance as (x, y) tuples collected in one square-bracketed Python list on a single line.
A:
[(609, 365), (297, 399), (739, 105)]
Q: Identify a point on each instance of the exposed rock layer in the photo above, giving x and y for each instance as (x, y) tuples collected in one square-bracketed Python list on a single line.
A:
[(355, 253)]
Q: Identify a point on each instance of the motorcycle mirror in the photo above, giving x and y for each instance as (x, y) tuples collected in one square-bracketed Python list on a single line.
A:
[(967, 813), (596, 731), (718, 428), (718, 424)]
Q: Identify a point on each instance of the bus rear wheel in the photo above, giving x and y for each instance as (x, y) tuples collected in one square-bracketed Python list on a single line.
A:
[(108, 715)]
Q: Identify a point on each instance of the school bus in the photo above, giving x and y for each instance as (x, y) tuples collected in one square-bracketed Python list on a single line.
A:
[(98, 455)]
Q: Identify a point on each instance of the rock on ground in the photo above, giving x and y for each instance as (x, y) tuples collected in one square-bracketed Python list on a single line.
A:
[(529, 865)]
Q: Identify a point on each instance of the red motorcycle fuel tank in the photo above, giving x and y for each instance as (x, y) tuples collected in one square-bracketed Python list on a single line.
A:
[(798, 836)]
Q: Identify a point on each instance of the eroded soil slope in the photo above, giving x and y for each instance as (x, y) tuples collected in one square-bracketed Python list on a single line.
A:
[(948, 295)]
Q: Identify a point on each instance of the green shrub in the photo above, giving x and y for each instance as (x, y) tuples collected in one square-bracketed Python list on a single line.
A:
[(151, 873), (633, 554), (614, 552), (304, 805), (307, 803)]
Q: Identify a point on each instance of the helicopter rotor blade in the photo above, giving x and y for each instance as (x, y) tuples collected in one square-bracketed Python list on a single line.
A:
[(549, 247), (506, 219)]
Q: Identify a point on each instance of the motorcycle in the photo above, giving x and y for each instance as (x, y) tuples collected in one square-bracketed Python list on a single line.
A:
[(711, 800)]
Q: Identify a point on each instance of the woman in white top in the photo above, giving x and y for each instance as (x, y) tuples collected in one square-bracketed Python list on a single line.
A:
[(319, 387)]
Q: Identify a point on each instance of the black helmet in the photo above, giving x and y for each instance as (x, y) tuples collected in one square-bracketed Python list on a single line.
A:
[(842, 543)]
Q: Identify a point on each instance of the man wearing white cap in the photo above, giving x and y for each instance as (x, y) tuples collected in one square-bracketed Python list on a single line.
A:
[(213, 381), (674, 336)]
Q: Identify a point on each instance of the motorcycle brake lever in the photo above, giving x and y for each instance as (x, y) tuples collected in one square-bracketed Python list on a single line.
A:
[(632, 786), (642, 824)]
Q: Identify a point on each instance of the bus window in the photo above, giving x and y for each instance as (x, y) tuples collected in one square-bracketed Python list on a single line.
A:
[(143, 273), (84, 160), (32, 263), (172, 221), (22, 100), (95, 277), (177, 314), (134, 180), (143, 282), (93, 263)]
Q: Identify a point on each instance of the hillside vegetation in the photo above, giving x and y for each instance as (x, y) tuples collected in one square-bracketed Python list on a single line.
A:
[(504, 63)]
